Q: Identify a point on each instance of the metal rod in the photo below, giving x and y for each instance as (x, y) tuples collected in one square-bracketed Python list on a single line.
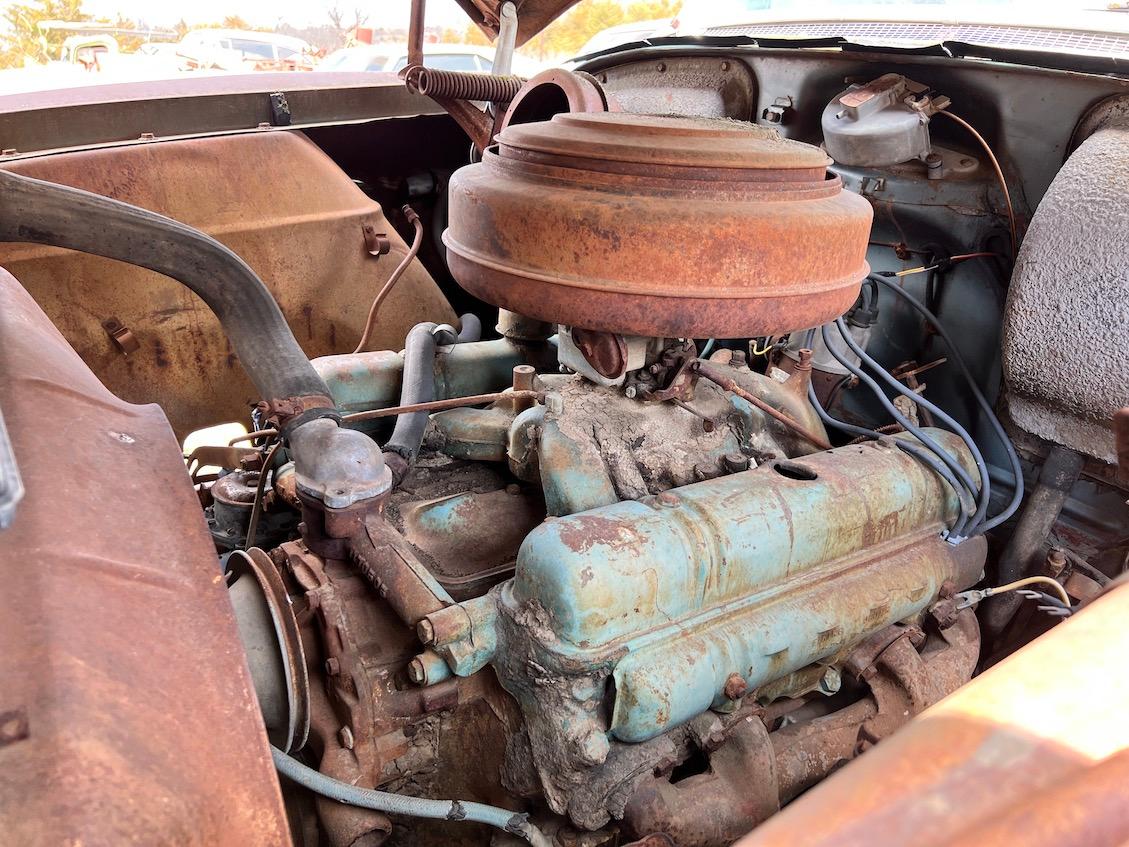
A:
[(415, 34), (507, 39), (715, 375), (441, 405)]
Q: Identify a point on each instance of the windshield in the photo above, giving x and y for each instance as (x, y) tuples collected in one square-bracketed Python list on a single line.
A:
[(156, 41)]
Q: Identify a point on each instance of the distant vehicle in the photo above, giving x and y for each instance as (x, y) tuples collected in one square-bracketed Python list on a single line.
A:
[(613, 36), (88, 51), (393, 57), (236, 50)]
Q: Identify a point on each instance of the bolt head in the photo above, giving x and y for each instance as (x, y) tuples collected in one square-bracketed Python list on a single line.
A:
[(416, 672), (345, 736), (593, 748), (425, 631), (630, 392), (735, 687), (332, 666), (831, 681)]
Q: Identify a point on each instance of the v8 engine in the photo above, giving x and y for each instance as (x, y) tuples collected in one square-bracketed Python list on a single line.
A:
[(622, 572), (659, 547)]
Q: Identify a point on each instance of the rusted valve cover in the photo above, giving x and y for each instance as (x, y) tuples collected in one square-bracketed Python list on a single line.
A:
[(659, 226)]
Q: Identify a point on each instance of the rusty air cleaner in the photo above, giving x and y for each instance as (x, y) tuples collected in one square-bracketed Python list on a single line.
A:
[(658, 226)]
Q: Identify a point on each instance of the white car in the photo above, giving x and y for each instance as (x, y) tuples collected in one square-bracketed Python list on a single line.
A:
[(614, 36), (234, 50), (392, 58)]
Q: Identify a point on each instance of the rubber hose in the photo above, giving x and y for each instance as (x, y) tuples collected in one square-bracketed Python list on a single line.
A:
[(918, 453), (515, 823), (985, 406), (39, 212), (955, 466), (470, 328), (418, 383), (941, 414)]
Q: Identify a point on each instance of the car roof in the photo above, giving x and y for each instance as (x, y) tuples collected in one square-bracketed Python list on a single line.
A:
[(251, 35)]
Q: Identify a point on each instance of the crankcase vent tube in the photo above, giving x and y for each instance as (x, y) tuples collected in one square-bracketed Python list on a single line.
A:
[(418, 386), (515, 823)]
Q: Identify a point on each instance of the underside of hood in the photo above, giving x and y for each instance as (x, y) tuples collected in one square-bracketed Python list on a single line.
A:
[(532, 15)]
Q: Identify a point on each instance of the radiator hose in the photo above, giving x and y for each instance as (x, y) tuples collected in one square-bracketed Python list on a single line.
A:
[(330, 462)]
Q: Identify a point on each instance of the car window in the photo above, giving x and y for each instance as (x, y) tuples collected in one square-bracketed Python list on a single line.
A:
[(286, 53), (444, 61), (485, 64), (258, 49), (452, 61), (377, 63)]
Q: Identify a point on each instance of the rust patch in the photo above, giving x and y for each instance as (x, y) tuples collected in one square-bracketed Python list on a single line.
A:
[(581, 533)]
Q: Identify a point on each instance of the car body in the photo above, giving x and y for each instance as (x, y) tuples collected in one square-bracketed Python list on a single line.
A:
[(232, 50), (627, 33), (393, 58)]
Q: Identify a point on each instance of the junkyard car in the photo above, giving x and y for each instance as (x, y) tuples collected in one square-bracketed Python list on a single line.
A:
[(729, 447)]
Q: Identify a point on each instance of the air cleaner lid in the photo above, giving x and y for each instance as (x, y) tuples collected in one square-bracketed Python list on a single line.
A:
[(611, 138)]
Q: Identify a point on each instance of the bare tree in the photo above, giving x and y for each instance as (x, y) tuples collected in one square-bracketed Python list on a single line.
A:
[(338, 19)]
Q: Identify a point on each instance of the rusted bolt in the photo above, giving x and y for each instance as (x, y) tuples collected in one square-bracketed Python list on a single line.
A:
[(523, 377), (725, 66), (416, 672), (592, 748), (345, 736), (661, 67), (425, 631), (630, 392), (944, 613), (916, 635), (735, 462), (332, 666), (735, 687), (1056, 562), (830, 682)]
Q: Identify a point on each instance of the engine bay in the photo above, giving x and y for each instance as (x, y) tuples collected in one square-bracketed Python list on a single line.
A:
[(780, 406)]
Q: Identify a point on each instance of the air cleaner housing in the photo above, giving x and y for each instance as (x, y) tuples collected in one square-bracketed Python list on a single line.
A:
[(658, 226)]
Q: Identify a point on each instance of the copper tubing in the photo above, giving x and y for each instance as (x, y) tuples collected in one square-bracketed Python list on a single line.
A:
[(257, 504), (999, 176), (417, 240), (719, 377), (440, 405)]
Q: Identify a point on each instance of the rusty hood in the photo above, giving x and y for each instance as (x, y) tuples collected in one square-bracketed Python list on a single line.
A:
[(532, 15)]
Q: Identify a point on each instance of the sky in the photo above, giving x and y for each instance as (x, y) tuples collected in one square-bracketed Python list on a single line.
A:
[(269, 12)]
